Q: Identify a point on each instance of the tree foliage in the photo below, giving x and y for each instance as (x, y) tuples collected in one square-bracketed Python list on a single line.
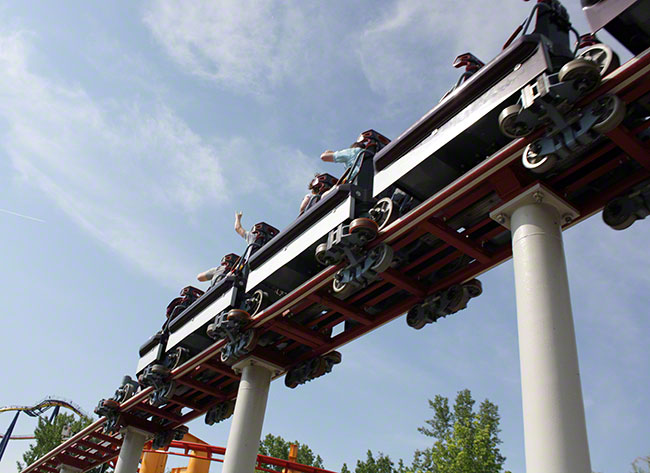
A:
[(48, 436), (641, 465), (382, 464), (276, 446), (465, 441)]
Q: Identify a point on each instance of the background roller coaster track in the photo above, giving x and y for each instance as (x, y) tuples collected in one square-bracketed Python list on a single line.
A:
[(205, 381), (42, 406)]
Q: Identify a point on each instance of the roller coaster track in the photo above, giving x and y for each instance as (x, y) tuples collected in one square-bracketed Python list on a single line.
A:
[(500, 177), (42, 406)]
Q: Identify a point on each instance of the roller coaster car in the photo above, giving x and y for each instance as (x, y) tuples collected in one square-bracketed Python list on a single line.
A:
[(184, 333), (626, 20), (536, 80)]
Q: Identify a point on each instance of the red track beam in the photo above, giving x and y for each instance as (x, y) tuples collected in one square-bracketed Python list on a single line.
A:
[(99, 448), (342, 308), (159, 412), (294, 331), (220, 368), (199, 386), (403, 281), (454, 239), (631, 145)]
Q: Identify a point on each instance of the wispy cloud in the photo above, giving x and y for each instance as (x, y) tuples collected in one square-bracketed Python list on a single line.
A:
[(112, 167), (22, 215), (125, 170), (235, 44)]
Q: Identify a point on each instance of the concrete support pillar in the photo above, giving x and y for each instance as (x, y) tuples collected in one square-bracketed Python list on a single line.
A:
[(131, 450), (246, 427), (555, 432)]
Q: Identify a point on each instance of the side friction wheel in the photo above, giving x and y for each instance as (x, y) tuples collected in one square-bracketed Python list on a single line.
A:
[(258, 302), (612, 112), (384, 257), (619, 213), (534, 162), (365, 228), (584, 73), (322, 257), (603, 56), (510, 124), (384, 212)]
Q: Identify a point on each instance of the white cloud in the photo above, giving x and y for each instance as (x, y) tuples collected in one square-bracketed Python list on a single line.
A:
[(125, 171), (112, 167), (237, 44)]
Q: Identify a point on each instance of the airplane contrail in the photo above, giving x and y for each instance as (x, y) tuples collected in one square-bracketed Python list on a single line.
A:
[(21, 215)]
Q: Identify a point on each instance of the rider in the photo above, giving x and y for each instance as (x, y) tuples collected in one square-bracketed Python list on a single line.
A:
[(318, 186), (258, 235), (367, 144), (214, 275)]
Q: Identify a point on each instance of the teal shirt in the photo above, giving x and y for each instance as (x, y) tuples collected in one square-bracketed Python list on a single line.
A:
[(347, 156)]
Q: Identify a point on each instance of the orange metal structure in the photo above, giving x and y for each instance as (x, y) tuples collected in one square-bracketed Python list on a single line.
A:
[(201, 455)]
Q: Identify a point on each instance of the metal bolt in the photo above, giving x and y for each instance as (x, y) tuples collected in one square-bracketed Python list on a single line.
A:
[(501, 218), (567, 218), (538, 197)]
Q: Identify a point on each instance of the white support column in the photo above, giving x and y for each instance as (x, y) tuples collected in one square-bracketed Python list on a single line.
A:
[(246, 427), (131, 450), (555, 432)]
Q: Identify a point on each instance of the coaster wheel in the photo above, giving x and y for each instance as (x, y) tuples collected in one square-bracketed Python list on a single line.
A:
[(457, 298), (238, 315), (335, 357), (384, 212), (603, 56), (536, 163), (584, 73), (510, 124), (612, 112), (365, 228), (258, 302), (384, 257), (291, 379), (342, 290), (619, 213), (474, 287), (160, 370), (110, 404), (250, 340), (227, 356), (415, 318), (325, 258)]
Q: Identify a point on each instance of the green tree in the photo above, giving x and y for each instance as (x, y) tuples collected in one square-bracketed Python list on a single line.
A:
[(48, 436), (465, 441), (276, 446), (382, 464), (641, 465)]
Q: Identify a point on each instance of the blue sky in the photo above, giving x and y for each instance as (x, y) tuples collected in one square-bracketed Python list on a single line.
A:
[(134, 130)]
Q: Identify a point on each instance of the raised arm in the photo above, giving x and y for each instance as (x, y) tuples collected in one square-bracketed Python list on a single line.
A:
[(238, 228)]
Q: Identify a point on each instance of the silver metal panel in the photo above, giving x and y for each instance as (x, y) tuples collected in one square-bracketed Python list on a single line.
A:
[(310, 236), (510, 84), (603, 12), (196, 322)]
